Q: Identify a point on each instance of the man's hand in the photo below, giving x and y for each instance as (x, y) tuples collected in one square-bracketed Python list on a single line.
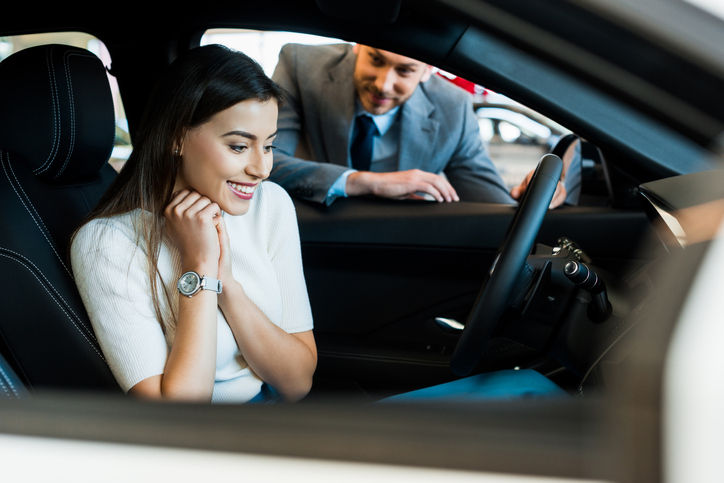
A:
[(401, 185), (558, 197)]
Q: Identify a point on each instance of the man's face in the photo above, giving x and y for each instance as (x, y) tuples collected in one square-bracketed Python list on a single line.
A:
[(384, 80)]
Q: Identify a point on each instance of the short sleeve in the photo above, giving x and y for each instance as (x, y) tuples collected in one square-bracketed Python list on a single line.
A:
[(110, 272)]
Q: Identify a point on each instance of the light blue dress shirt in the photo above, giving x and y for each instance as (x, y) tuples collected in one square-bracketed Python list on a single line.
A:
[(384, 148)]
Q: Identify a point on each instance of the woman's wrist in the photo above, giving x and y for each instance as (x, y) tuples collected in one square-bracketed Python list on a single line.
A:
[(231, 291), (203, 269)]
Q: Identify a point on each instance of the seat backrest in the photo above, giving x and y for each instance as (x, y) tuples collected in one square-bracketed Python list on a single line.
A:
[(56, 135)]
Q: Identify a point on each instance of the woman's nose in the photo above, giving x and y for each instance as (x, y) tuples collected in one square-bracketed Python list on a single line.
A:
[(260, 164)]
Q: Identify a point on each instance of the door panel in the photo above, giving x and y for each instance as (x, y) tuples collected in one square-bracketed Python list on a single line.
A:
[(379, 272)]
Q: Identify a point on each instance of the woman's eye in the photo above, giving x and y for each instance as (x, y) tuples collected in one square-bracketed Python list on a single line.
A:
[(269, 149), (238, 148)]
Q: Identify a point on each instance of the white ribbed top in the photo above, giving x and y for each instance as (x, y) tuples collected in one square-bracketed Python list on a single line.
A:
[(110, 270)]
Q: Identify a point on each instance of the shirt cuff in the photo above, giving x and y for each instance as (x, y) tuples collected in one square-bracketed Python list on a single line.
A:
[(338, 188)]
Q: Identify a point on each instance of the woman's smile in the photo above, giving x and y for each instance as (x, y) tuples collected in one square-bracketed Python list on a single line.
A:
[(245, 191)]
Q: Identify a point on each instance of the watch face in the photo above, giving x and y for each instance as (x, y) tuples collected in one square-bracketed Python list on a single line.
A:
[(188, 283)]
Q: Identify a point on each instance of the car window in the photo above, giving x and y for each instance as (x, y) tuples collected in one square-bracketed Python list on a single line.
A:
[(122, 141), (515, 135)]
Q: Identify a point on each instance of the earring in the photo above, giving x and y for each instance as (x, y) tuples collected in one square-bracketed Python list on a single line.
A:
[(177, 152)]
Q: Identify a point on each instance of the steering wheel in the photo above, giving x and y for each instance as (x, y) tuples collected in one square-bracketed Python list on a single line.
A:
[(495, 294)]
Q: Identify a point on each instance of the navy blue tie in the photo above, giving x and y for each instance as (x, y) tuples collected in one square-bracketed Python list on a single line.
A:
[(361, 148)]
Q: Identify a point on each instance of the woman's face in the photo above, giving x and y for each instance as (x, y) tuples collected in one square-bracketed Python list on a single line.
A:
[(227, 157)]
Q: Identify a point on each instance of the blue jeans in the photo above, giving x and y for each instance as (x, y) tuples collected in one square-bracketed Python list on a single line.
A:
[(505, 384), (266, 395)]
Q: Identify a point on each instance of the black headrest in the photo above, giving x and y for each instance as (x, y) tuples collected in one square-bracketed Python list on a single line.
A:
[(57, 111)]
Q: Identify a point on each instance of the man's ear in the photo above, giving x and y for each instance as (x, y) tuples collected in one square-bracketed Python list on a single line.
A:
[(355, 49), (426, 73)]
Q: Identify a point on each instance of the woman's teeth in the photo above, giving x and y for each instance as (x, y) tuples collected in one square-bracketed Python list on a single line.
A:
[(242, 188)]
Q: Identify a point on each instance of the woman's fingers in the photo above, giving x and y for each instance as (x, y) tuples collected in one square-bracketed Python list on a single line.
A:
[(188, 204), (207, 210), (176, 198), (191, 222)]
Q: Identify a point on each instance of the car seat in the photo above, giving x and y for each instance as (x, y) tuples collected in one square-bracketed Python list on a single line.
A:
[(56, 135)]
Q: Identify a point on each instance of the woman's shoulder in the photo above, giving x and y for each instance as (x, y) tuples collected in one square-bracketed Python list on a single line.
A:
[(272, 208), (270, 200), (275, 192), (109, 230)]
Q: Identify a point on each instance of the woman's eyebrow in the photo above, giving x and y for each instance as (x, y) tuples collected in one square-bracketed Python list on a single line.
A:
[(248, 135), (241, 133)]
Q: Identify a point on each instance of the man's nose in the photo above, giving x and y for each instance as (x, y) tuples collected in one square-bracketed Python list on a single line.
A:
[(385, 80)]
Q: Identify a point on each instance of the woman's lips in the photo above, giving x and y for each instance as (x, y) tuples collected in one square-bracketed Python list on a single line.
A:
[(245, 191)]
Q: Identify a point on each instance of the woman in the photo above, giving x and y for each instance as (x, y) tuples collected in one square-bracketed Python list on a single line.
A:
[(190, 267)]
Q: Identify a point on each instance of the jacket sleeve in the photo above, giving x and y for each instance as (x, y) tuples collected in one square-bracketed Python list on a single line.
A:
[(302, 178), (470, 169)]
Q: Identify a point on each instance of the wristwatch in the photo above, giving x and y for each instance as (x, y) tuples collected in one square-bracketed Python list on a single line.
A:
[(190, 283)]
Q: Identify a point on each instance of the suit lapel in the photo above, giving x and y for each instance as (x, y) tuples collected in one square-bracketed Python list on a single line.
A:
[(338, 110), (418, 132)]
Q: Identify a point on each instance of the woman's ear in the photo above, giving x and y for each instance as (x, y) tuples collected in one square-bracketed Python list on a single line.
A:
[(178, 148)]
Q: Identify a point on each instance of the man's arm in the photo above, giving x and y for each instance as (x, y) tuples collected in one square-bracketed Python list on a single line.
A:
[(470, 169), (302, 178), (475, 177)]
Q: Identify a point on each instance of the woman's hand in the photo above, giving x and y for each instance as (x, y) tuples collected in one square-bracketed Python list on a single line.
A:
[(191, 221), (225, 274)]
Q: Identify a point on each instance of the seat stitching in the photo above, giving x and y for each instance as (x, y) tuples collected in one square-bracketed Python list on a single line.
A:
[(56, 116), (57, 293), (9, 381), (35, 218), (56, 303), (69, 84)]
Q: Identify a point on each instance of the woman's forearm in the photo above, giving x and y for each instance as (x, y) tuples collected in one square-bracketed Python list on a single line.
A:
[(285, 361), (191, 366)]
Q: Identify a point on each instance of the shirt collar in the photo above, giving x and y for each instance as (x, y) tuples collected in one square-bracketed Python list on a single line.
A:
[(382, 121)]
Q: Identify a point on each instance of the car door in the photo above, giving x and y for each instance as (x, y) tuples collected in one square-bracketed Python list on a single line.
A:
[(380, 272)]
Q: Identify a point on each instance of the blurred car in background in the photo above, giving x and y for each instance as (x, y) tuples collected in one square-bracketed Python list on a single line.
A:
[(516, 138)]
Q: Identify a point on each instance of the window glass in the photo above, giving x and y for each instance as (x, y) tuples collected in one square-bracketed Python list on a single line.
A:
[(262, 46), (516, 136), (12, 44)]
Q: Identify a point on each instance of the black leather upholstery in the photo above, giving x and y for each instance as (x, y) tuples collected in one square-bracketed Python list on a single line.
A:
[(56, 135)]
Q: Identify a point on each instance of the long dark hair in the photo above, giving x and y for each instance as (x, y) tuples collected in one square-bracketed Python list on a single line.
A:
[(196, 86)]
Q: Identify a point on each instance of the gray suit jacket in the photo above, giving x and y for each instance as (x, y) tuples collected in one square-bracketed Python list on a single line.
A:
[(438, 132)]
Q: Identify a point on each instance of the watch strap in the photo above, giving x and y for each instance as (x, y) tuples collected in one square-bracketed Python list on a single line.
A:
[(208, 283)]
